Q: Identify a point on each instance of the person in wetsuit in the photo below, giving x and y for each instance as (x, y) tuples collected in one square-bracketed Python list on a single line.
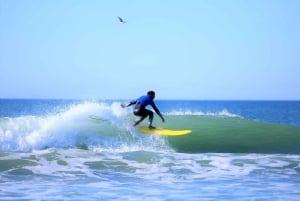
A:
[(140, 108)]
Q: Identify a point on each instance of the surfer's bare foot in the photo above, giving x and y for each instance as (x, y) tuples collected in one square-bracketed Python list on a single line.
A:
[(151, 127)]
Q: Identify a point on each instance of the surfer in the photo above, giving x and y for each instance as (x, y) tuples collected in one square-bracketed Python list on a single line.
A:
[(140, 108)]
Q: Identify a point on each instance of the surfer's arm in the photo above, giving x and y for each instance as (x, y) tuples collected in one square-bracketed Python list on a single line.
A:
[(129, 104), (158, 112), (162, 118)]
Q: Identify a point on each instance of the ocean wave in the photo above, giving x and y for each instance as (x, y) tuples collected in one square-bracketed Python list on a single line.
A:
[(101, 126), (106, 126)]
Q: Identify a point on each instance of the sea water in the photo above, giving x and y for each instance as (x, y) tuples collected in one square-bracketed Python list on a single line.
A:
[(88, 150)]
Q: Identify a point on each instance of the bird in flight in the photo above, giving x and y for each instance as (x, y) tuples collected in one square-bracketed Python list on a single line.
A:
[(121, 20)]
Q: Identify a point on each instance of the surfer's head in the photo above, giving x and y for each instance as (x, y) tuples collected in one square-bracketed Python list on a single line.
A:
[(151, 94)]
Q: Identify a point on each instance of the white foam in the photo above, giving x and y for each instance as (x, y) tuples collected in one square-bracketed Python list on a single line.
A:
[(223, 113), (94, 124), (58, 129), (65, 171)]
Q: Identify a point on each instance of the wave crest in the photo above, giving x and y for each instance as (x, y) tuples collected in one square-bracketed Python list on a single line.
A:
[(223, 113)]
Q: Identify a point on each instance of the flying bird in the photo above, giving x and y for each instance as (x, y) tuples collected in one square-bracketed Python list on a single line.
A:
[(121, 20)]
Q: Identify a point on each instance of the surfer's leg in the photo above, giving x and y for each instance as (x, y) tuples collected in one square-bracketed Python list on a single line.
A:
[(141, 113), (150, 113), (139, 121)]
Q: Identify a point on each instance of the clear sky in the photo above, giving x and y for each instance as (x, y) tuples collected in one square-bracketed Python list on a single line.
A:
[(193, 49)]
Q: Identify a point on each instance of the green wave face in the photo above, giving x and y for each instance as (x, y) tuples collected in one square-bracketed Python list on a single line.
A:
[(233, 135)]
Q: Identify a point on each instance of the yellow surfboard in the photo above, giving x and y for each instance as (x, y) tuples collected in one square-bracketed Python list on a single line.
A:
[(163, 131)]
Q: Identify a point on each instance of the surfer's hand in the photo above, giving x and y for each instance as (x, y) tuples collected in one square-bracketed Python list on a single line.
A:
[(162, 119), (123, 105)]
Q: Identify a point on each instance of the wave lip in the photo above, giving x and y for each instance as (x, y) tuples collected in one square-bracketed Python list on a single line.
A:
[(223, 113), (59, 129), (89, 125)]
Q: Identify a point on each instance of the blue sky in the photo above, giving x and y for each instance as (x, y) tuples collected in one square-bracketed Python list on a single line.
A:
[(194, 49)]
